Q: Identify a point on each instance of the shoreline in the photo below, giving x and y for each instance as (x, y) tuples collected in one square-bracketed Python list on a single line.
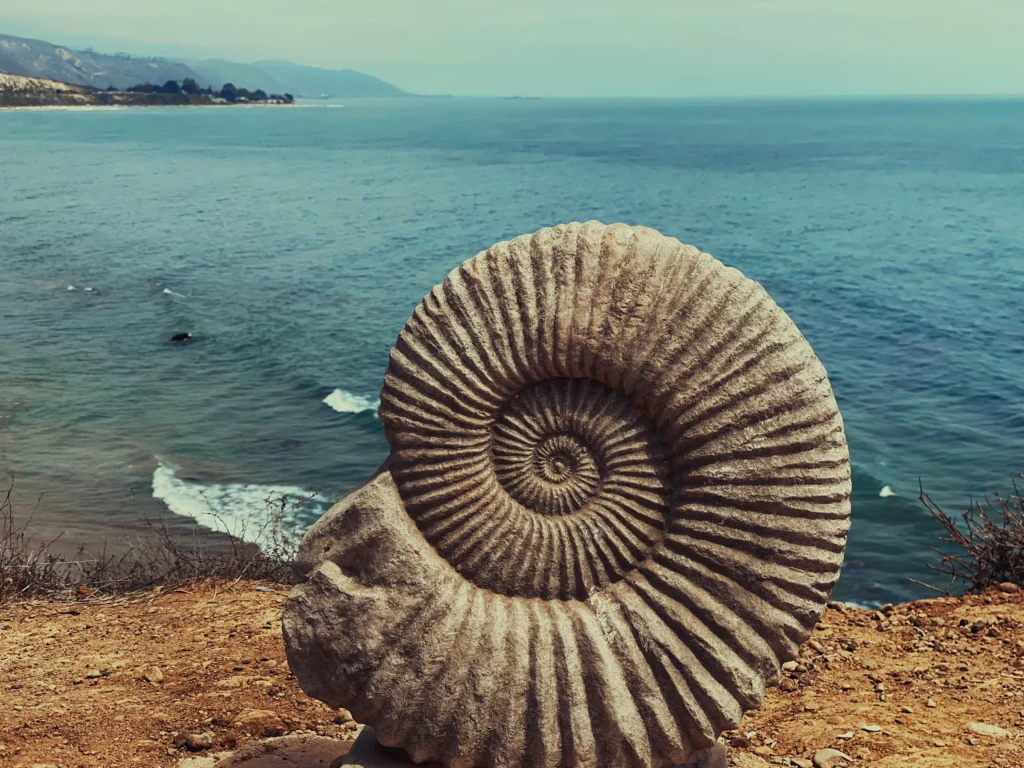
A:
[(105, 107)]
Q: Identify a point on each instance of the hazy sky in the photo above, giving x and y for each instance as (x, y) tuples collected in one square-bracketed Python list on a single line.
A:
[(577, 47)]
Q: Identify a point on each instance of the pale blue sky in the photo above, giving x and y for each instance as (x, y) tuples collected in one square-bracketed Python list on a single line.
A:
[(577, 47)]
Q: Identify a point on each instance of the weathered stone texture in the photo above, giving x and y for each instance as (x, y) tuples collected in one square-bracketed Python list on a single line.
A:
[(617, 500)]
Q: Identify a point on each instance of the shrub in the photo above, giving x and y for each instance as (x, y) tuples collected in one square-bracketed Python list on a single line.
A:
[(985, 546), (29, 568)]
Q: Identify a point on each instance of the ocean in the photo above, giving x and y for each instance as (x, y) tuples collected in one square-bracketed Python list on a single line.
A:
[(293, 244)]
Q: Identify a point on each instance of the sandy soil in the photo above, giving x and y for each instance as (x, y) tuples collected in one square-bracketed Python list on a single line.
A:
[(935, 683)]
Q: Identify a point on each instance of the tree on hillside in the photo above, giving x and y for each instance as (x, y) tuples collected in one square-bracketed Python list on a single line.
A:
[(229, 92), (171, 86), (258, 95), (190, 86)]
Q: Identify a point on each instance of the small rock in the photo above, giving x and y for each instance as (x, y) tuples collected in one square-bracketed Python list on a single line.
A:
[(811, 707), (260, 722), (788, 685), (984, 729), (799, 762), (763, 751), (92, 674), (829, 758), (907, 710), (1009, 587), (789, 666), (199, 741), (154, 675), (931, 704), (845, 736), (816, 646), (870, 728)]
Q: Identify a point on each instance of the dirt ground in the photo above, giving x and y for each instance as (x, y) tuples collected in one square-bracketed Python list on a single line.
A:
[(157, 678)]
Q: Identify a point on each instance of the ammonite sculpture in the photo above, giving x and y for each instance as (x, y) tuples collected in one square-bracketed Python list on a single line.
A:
[(617, 500)]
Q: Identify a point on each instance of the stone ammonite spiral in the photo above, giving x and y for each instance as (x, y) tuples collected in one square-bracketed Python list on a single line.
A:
[(617, 500)]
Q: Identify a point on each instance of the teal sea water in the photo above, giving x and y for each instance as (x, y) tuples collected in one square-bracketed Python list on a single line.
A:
[(294, 243)]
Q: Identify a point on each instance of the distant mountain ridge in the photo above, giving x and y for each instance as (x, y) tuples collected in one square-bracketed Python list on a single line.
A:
[(41, 59), (297, 79)]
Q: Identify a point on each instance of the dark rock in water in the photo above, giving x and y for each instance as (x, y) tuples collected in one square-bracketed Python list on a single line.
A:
[(291, 443), (181, 338)]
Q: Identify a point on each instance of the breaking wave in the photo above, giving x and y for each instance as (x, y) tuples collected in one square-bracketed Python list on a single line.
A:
[(241, 509)]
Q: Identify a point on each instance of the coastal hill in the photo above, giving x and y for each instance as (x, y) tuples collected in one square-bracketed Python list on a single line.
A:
[(19, 91), (41, 59), (167, 678), (36, 58)]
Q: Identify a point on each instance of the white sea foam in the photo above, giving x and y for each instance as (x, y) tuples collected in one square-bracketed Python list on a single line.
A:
[(237, 508), (72, 288), (346, 402), (886, 492), (169, 292)]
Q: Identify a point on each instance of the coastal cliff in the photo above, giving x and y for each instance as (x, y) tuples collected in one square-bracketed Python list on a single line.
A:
[(162, 677)]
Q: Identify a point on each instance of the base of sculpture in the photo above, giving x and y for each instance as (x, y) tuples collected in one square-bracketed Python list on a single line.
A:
[(367, 753)]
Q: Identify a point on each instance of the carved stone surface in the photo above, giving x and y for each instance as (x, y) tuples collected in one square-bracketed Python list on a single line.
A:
[(617, 500)]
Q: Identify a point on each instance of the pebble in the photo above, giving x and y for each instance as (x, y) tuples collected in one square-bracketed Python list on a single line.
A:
[(763, 751), (870, 728), (984, 729), (799, 762), (154, 675), (829, 758), (92, 674), (931, 704), (1009, 587), (788, 684), (845, 736), (789, 666), (907, 710), (199, 741)]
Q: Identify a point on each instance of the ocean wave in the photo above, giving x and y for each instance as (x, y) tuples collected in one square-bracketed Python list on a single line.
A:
[(886, 492), (169, 292), (346, 402), (241, 509)]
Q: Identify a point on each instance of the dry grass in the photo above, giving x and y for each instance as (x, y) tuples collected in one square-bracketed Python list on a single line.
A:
[(29, 568), (984, 547)]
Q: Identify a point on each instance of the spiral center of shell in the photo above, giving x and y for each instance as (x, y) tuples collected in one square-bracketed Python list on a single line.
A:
[(563, 490)]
